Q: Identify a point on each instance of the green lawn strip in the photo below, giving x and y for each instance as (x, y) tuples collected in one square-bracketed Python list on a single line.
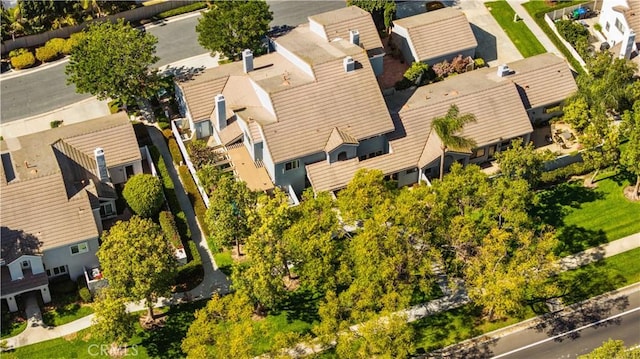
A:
[(224, 261), (586, 217), (66, 314), (537, 9), (446, 328), (521, 36), (160, 343)]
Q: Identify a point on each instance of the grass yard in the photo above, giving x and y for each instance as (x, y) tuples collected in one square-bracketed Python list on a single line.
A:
[(521, 36), (224, 261), (66, 313), (588, 217), (12, 327)]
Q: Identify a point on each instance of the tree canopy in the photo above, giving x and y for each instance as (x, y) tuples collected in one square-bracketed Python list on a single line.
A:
[(137, 260), (382, 11), (229, 27), (113, 61), (630, 157), (112, 322), (143, 193), (523, 162), (612, 349)]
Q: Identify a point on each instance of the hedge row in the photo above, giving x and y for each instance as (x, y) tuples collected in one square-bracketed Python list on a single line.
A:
[(564, 173), (181, 10), (52, 50), (170, 193), (195, 198), (168, 225)]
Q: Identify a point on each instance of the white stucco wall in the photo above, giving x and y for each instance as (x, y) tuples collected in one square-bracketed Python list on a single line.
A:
[(317, 29), (608, 15), (118, 174), (264, 98), (60, 256), (303, 66)]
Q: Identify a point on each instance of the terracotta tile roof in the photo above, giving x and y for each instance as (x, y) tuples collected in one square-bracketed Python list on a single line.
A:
[(199, 95), (631, 13), (338, 138), (231, 133), (338, 23), (438, 33)]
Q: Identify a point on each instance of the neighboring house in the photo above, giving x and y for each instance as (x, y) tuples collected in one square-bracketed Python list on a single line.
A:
[(57, 186), (434, 36), (315, 99), (620, 21), (505, 103)]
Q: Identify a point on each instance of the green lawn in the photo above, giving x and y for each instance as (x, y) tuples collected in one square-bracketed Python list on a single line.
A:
[(224, 261), (587, 217), (66, 313), (537, 9), (13, 328), (521, 36)]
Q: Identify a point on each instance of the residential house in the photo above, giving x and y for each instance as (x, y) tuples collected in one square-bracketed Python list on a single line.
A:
[(434, 36), (57, 186), (505, 103), (315, 99), (620, 21)]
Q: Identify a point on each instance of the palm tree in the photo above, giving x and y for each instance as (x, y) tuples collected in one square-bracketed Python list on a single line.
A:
[(447, 127)]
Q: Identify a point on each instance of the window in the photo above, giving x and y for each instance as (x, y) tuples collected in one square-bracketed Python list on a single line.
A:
[(619, 26), (79, 248), (291, 165), (478, 152), (57, 271), (26, 264), (342, 156), (427, 171), (413, 170), (106, 209), (607, 26)]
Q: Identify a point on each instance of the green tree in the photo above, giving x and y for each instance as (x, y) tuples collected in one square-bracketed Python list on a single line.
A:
[(229, 27), (447, 128), (507, 268), (366, 190), (382, 11), (112, 323), (523, 162), (576, 113), (143, 193), (601, 144), (113, 61), (230, 206), (224, 329), (388, 337), (630, 157), (137, 260), (612, 349)]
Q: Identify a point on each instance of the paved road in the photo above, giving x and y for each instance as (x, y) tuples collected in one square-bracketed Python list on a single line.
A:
[(540, 344), (45, 90)]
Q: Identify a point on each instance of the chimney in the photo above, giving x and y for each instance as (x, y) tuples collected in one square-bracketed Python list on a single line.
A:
[(103, 173), (221, 112), (354, 37), (349, 64), (503, 70), (627, 44), (247, 60)]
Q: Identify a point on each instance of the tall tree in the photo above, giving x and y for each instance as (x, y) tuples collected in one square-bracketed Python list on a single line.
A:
[(613, 349), (601, 142), (224, 329), (366, 190), (448, 127), (230, 206), (143, 193), (382, 11), (112, 323), (229, 27), (137, 260), (523, 162), (630, 157), (114, 61), (382, 337)]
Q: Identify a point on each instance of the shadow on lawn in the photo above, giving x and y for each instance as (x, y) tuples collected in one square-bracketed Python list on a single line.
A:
[(443, 327), (551, 202), (302, 304), (165, 342), (623, 178), (574, 239)]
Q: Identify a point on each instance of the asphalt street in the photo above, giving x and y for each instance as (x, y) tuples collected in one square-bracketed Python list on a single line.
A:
[(45, 90)]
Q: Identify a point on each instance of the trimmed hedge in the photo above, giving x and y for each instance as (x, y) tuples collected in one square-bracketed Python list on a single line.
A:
[(181, 10), (72, 41), (18, 52), (168, 225), (167, 133), (56, 44), (564, 173), (175, 151), (23, 61), (85, 294), (194, 196), (46, 54)]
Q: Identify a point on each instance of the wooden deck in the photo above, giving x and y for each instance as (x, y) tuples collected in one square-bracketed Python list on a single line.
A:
[(256, 178)]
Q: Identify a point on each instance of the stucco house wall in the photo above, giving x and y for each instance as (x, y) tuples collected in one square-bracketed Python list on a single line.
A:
[(75, 263)]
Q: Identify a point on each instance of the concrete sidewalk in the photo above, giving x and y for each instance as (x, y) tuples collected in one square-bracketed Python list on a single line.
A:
[(533, 26)]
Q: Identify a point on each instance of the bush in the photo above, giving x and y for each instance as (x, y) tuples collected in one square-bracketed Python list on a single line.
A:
[(479, 62), (194, 196), (85, 294), (56, 44), (164, 125), (167, 133), (46, 54), (23, 61), (181, 10), (55, 123), (17, 52), (143, 194), (71, 42), (168, 225), (564, 173), (175, 151), (416, 72)]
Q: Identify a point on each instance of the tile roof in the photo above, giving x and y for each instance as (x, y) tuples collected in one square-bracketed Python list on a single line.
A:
[(338, 138), (30, 281), (426, 33), (338, 23), (631, 13), (231, 133)]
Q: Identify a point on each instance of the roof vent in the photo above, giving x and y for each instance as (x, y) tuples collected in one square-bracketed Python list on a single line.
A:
[(354, 37), (349, 64), (504, 70), (247, 60)]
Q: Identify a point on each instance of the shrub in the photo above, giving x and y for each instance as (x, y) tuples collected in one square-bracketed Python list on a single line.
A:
[(23, 61), (182, 10), (403, 84), (175, 151), (168, 225), (17, 52), (71, 42), (143, 194), (194, 196), (55, 123), (442, 69), (564, 173), (56, 44), (167, 133), (46, 54), (479, 62), (63, 286), (459, 64), (164, 125), (85, 294), (416, 72)]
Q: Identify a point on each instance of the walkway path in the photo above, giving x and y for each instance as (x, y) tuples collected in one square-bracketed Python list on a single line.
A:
[(214, 280), (533, 26)]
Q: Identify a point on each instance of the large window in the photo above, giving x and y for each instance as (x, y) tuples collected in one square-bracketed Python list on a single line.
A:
[(478, 152), (56, 271), (619, 26), (291, 165), (79, 248), (106, 209)]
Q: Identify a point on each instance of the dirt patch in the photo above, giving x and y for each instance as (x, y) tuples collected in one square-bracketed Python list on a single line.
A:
[(589, 184), (291, 284), (239, 258), (159, 321), (70, 337), (628, 192)]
